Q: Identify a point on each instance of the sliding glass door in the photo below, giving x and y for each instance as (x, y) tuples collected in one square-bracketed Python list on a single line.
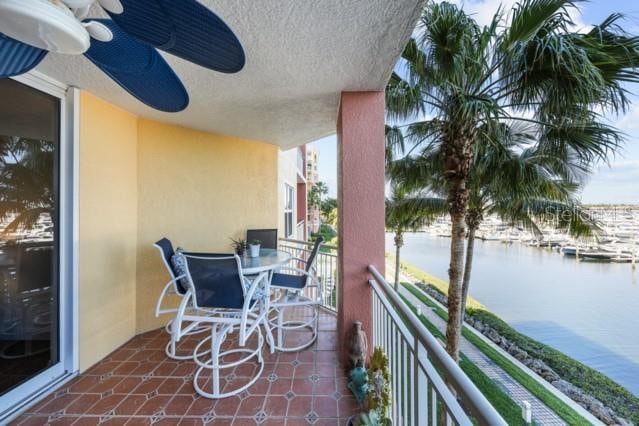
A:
[(30, 122)]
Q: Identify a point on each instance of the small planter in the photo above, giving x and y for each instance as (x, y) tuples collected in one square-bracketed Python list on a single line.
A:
[(239, 246), (254, 250)]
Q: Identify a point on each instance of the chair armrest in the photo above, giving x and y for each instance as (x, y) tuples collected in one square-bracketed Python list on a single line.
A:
[(166, 291)]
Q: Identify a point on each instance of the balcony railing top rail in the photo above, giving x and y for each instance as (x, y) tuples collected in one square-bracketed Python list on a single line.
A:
[(283, 241), (422, 372)]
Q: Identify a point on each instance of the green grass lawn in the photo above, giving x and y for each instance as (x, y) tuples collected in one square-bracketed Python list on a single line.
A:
[(509, 409), (534, 387), (427, 278)]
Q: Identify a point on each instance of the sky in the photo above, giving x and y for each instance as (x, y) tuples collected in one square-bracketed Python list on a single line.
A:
[(617, 182)]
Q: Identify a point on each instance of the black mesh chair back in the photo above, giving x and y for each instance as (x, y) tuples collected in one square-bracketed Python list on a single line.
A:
[(268, 237), (217, 281), (35, 268), (313, 255)]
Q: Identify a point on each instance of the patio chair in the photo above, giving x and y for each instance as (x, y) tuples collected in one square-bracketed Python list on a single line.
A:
[(224, 301), (300, 289), (178, 286), (268, 237)]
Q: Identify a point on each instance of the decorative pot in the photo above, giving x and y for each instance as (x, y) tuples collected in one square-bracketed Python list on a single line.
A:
[(357, 346), (254, 250)]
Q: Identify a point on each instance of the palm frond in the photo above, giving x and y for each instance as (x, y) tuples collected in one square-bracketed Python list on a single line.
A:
[(529, 17)]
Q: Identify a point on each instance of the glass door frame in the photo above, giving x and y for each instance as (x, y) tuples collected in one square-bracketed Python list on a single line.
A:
[(40, 385)]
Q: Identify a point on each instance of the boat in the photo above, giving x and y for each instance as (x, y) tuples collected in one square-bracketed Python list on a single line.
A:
[(569, 250), (602, 255)]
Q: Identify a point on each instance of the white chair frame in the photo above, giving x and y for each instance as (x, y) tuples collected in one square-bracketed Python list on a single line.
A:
[(292, 298), (222, 322), (171, 289)]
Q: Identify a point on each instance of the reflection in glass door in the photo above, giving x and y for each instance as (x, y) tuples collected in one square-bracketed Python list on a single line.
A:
[(29, 261)]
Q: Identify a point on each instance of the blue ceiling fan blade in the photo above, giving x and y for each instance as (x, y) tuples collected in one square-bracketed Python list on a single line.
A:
[(184, 28), (18, 58), (139, 69)]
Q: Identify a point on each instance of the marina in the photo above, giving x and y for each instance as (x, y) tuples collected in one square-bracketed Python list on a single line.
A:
[(615, 239), (586, 309)]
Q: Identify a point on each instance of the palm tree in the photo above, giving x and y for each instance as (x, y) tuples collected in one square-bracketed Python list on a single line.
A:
[(523, 186), (315, 195), (26, 181), (406, 212), (460, 82), (510, 179)]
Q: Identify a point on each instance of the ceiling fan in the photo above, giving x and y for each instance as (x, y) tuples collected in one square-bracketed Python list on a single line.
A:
[(123, 47)]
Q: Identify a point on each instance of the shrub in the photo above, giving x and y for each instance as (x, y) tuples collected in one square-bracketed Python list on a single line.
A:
[(589, 380)]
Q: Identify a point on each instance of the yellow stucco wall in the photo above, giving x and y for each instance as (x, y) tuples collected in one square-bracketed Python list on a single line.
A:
[(142, 180), (199, 190), (108, 198)]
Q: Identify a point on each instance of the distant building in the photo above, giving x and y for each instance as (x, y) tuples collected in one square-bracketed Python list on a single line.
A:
[(312, 178), (292, 193)]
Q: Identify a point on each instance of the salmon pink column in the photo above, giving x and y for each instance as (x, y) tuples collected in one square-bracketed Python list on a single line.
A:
[(360, 138)]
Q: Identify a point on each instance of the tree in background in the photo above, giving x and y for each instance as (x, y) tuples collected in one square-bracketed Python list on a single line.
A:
[(408, 211), (26, 181), (460, 82), (315, 195), (328, 206), (511, 179)]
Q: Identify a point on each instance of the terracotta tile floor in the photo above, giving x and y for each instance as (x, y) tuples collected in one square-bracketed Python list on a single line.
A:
[(138, 384)]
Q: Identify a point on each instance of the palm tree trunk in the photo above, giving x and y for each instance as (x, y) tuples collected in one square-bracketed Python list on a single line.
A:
[(457, 152), (399, 242), (453, 330), (468, 266)]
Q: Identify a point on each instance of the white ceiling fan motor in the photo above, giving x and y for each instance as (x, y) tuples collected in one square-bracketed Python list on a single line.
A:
[(52, 25)]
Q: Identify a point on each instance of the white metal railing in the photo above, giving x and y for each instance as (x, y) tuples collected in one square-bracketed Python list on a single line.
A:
[(299, 229), (425, 379), (326, 266)]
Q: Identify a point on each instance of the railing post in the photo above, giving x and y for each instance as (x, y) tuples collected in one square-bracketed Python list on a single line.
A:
[(360, 134)]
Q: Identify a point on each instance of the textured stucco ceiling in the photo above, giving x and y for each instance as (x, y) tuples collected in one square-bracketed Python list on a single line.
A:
[(300, 55)]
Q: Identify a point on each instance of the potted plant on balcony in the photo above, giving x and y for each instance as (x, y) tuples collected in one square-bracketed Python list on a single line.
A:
[(254, 248), (239, 246), (379, 393)]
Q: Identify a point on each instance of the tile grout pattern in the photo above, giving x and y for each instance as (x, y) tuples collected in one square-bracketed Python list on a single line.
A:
[(138, 385)]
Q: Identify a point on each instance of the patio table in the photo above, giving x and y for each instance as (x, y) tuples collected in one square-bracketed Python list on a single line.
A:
[(268, 261)]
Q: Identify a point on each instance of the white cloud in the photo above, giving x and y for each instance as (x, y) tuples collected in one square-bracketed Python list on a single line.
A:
[(620, 171), (630, 121), (617, 183)]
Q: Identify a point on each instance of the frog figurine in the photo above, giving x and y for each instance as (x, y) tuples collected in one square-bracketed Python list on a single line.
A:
[(358, 383)]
